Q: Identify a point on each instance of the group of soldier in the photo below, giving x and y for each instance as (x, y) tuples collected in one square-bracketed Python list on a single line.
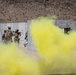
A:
[(8, 35)]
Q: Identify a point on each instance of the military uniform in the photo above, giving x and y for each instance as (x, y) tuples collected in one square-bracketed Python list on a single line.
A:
[(26, 36), (26, 39), (4, 37), (17, 34), (16, 39), (9, 35)]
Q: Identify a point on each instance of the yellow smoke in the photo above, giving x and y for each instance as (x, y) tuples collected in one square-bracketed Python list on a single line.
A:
[(57, 50), (13, 61)]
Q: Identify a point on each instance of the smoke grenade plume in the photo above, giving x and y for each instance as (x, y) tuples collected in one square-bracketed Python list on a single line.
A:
[(57, 50)]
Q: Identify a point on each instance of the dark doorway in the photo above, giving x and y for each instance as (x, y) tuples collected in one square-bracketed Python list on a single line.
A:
[(66, 30)]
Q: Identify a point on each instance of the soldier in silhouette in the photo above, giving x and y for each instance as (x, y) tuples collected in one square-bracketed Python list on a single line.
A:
[(4, 37), (9, 34), (26, 39), (17, 34)]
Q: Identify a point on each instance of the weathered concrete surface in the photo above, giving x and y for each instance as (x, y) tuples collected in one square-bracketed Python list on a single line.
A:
[(23, 10), (66, 24)]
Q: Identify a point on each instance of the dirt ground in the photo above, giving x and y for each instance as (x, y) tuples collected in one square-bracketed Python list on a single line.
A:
[(31, 53)]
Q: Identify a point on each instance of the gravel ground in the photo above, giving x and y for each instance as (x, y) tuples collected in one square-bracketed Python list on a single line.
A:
[(23, 10)]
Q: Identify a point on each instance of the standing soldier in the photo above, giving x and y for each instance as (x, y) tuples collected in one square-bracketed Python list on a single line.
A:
[(4, 37), (9, 35), (17, 34), (26, 36), (26, 39)]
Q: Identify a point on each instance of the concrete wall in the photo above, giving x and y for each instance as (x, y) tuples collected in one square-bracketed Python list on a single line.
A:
[(21, 26), (66, 23)]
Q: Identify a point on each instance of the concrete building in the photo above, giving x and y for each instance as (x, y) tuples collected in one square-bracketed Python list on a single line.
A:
[(13, 11)]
